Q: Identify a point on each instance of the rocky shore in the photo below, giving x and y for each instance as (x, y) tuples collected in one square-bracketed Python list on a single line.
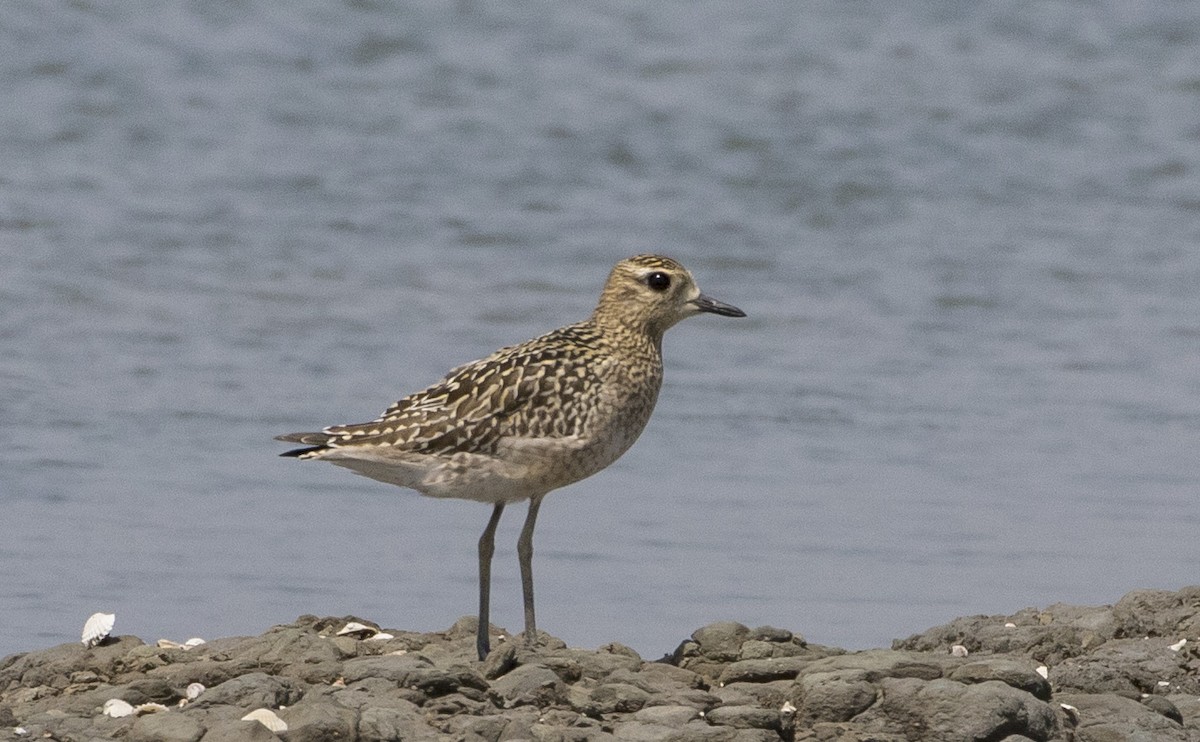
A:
[(1130, 671)]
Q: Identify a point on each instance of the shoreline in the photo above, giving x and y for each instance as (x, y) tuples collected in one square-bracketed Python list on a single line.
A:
[(1059, 673)]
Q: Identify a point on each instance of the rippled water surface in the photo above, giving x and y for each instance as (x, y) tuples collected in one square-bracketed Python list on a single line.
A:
[(966, 236)]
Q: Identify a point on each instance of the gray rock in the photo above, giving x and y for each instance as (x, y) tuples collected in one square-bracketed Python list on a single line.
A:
[(669, 716), (876, 664), (1021, 674), (318, 718), (756, 649), (693, 731), (1159, 613), (534, 685), (61, 725), (743, 717), (166, 727), (763, 671), (562, 725), (615, 698), (837, 695), (456, 704), (379, 691), (666, 685), (413, 671), (386, 724), (659, 672), (514, 724), (150, 690), (596, 665), (1050, 635), (621, 649), (477, 728), (532, 654), (375, 693), (53, 667), (767, 695), (721, 641), (727, 684), (1165, 707), (571, 665), (849, 732), (1130, 667), (772, 634), (1103, 717), (951, 711), (1189, 709), (239, 731), (647, 682), (520, 723), (87, 703), (645, 731), (283, 650), (695, 698), (251, 691), (499, 661), (212, 716)]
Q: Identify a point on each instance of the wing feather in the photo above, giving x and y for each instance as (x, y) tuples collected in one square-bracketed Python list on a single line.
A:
[(516, 392)]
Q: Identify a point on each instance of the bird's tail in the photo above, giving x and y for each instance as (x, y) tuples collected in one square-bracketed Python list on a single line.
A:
[(316, 443)]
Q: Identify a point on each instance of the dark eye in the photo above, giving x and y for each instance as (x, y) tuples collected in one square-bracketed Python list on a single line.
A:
[(658, 281)]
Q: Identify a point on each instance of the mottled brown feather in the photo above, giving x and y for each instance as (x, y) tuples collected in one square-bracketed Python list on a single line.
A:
[(530, 417)]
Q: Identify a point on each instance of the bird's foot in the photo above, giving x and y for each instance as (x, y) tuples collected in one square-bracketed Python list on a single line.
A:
[(531, 645)]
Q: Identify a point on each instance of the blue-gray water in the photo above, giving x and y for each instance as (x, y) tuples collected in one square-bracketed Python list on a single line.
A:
[(967, 236)]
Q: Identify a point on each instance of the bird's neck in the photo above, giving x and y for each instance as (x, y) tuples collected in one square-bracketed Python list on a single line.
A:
[(628, 329)]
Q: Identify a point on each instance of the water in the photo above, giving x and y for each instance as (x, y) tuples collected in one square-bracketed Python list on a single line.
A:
[(965, 234)]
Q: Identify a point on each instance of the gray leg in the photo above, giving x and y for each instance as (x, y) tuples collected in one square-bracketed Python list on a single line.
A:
[(525, 554), (487, 545)]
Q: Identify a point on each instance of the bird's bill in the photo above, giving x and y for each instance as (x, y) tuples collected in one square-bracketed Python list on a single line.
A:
[(709, 304)]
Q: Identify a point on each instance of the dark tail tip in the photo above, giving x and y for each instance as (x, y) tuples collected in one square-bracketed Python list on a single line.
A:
[(315, 441), (296, 453)]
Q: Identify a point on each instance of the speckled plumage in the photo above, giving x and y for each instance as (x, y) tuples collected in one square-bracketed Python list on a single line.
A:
[(533, 417)]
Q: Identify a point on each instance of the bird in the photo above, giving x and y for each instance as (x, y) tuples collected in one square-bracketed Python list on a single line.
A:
[(529, 418)]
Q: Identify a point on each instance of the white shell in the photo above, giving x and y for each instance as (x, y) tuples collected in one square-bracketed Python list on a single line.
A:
[(1010, 625), (958, 650), (117, 708), (195, 641), (1043, 671), (382, 636), (354, 627), (1177, 645), (97, 628), (787, 709), (267, 718), (194, 690), (148, 708)]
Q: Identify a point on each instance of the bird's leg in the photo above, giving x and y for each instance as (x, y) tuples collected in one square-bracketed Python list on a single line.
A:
[(487, 545), (525, 555)]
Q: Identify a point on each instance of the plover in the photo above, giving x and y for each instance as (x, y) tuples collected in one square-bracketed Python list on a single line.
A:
[(529, 418)]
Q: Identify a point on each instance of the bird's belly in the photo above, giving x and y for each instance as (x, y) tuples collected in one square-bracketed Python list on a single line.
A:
[(524, 468)]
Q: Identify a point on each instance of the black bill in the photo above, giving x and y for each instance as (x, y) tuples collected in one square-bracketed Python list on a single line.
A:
[(708, 304)]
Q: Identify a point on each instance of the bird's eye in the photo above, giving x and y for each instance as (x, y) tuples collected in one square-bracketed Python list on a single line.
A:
[(658, 281)]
